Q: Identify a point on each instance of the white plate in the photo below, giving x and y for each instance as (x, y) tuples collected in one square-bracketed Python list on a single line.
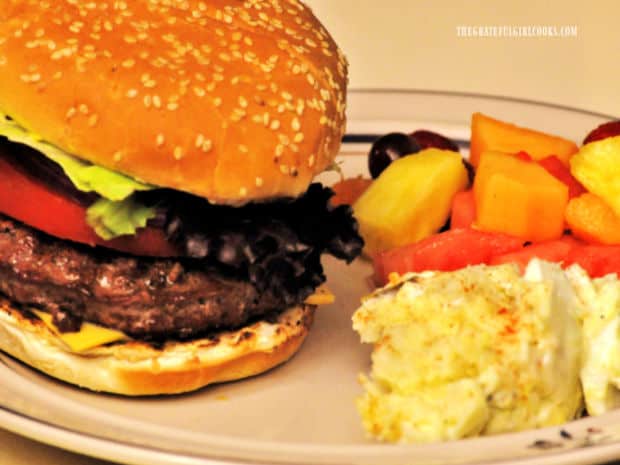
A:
[(303, 412)]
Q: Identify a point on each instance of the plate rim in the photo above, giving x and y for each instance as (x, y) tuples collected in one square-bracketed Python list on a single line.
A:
[(499, 97), (603, 450)]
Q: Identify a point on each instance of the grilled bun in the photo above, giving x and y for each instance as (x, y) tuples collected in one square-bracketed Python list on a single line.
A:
[(136, 368), (233, 101)]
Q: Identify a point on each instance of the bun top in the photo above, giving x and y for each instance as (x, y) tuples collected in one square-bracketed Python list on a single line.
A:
[(230, 100)]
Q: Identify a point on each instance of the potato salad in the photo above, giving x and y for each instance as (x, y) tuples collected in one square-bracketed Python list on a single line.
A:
[(488, 349)]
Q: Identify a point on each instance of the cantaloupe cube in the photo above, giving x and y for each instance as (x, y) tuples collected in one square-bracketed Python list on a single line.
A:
[(519, 198), (592, 220), (492, 134)]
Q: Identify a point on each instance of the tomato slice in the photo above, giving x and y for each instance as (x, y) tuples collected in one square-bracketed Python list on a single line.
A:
[(447, 251), (30, 202)]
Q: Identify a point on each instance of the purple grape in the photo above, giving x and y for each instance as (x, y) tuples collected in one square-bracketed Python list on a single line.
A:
[(429, 139), (388, 148)]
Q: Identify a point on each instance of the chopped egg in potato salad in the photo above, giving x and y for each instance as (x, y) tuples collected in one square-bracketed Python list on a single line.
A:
[(486, 350)]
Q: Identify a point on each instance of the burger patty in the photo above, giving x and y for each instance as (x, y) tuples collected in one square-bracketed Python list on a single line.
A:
[(144, 298)]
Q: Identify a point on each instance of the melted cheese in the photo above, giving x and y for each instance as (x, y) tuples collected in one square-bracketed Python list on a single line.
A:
[(89, 336), (322, 296)]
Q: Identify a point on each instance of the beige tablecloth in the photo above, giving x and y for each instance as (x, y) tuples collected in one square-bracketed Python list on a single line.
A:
[(421, 44)]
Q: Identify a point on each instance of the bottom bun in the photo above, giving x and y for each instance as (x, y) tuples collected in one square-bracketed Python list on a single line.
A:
[(137, 368)]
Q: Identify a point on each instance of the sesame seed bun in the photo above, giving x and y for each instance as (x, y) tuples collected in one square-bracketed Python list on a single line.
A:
[(233, 101), (137, 368)]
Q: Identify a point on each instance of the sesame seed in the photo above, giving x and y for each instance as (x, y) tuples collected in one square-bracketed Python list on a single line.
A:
[(118, 156), (172, 106), (207, 145), (295, 124), (259, 182), (83, 109), (92, 121), (299, 137), (217, 101), (275, 125), (178, 153), (200, 139), (128, 63), (160, 140), (156, 101), (131, 93), (71, 113), (243, 149), (243, 192)]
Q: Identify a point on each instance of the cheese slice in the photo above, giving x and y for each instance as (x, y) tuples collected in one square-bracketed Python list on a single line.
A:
[(87, 337), (322, 296)]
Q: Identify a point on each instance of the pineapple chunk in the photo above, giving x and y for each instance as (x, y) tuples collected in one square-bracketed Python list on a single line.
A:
[(597, 167), (410, 200)]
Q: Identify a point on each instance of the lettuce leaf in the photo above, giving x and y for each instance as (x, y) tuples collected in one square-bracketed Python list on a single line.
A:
[(116, 213), (111, 219)]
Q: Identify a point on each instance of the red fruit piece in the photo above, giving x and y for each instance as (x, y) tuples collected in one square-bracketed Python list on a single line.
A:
[(597, 260), (523, 156), (447, 251), (429, 139), (605, 130), (463, 212), (347, 191), (556, 250), (560, 171)]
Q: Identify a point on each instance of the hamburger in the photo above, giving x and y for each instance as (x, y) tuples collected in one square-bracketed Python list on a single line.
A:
[(159, 231)]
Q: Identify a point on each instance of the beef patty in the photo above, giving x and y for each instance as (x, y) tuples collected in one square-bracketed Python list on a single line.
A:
[(145, 298)]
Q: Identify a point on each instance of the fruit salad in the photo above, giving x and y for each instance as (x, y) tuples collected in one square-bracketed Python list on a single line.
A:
[(521, 194), (501, 301)]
